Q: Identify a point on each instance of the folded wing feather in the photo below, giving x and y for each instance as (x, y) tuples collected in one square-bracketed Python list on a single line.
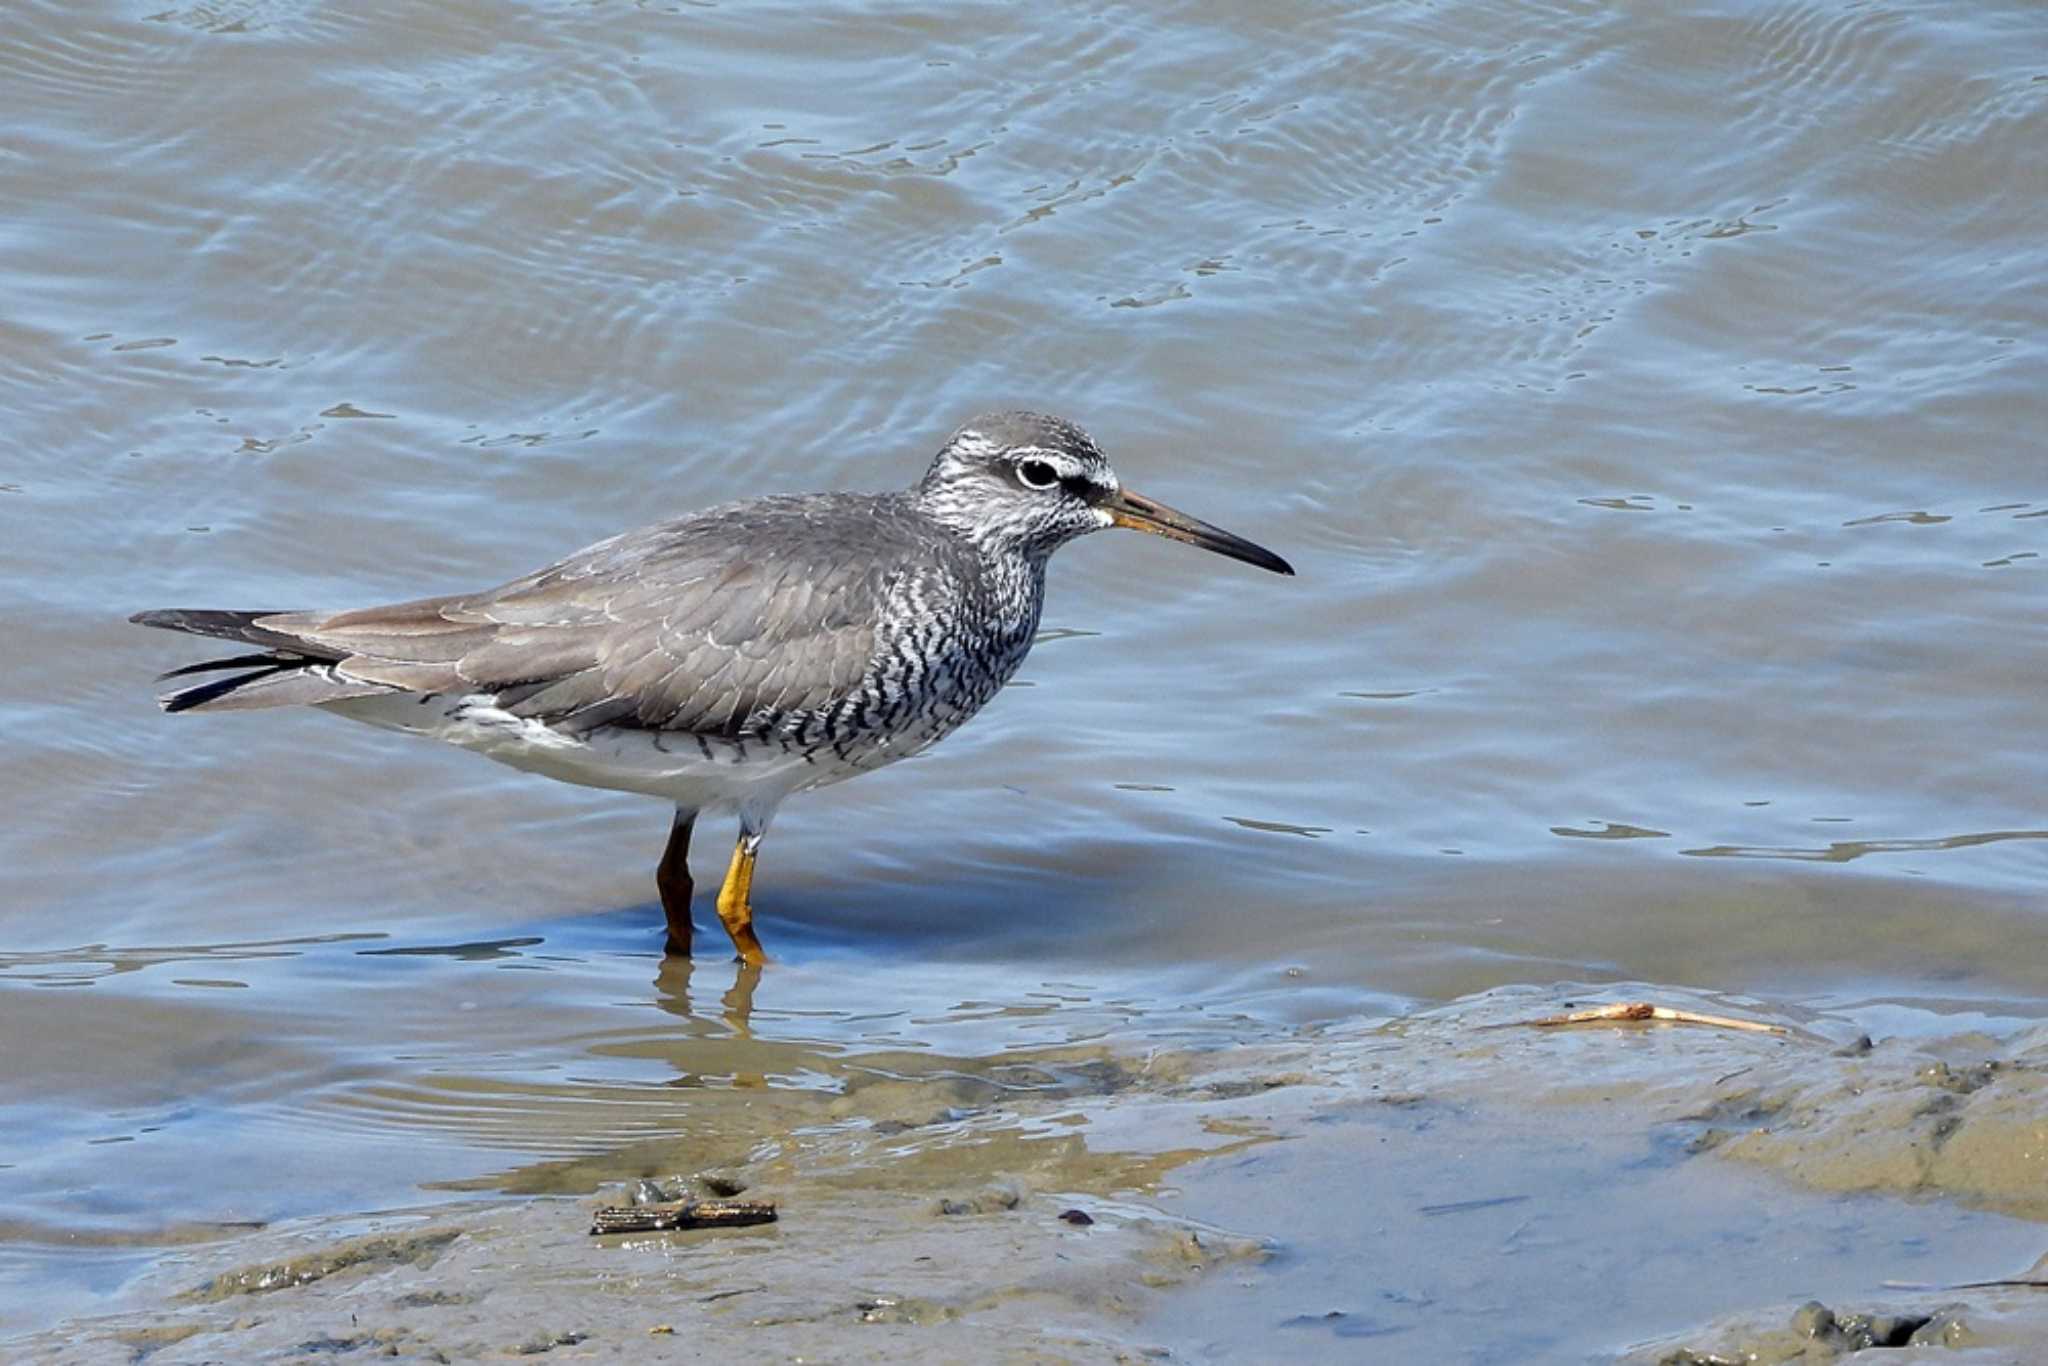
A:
[(675, 627)]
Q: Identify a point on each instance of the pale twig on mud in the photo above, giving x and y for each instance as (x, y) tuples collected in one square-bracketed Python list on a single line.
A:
[(1624, 1011)]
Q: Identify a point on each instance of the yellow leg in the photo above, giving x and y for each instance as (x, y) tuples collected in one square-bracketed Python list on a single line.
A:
[(735, 910)]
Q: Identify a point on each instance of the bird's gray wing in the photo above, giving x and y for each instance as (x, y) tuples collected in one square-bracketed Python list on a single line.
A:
[(706, 625)]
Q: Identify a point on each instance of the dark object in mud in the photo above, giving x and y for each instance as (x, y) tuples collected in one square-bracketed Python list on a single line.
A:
[(999, 1198), (1079, 1218), (682, 1214), (1467, 1206), (1824, 1335), (1856, 1332)]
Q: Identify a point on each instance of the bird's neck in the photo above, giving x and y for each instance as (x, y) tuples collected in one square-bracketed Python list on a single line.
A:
[(999, 539)]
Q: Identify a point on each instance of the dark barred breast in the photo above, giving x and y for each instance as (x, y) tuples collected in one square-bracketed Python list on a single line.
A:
[(948, 639)]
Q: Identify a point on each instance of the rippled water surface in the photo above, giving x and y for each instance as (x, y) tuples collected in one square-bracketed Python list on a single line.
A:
[(1649, 396)]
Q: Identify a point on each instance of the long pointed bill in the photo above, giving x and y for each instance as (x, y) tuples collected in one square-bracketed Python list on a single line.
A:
[(1139, 513)]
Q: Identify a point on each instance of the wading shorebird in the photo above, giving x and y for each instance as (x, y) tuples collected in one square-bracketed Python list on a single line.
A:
[(724, 660)]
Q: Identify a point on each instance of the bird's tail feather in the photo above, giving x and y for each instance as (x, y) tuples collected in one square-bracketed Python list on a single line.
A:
[(221, 625), (285, 672), (217, 693), (284, 683), (208, 666)]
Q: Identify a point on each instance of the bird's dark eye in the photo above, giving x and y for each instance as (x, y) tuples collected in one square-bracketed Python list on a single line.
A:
[(1037, 474)]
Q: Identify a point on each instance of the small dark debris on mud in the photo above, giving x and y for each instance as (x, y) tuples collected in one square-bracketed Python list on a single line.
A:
[(681, 1215), (996, 1199), (1817, 1333), (547, 1342)]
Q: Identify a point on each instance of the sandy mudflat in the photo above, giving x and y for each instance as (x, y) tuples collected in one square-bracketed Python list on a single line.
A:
[(1446, 1186)]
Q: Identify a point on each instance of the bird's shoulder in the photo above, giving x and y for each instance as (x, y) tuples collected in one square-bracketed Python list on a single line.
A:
[(813, 551)]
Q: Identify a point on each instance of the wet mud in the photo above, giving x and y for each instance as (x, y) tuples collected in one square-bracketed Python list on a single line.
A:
[(1440, 1182), (1981, 1324)]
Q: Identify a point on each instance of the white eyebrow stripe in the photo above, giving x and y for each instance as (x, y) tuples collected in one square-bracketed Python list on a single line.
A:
[(1066, 464)]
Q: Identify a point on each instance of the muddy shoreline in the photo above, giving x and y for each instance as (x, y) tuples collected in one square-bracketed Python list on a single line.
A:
[(1452, 1181)]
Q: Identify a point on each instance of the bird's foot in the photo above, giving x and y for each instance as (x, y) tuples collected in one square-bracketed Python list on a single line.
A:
[(746, 944)]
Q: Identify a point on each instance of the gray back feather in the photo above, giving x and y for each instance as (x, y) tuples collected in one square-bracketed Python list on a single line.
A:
[(712, 624)]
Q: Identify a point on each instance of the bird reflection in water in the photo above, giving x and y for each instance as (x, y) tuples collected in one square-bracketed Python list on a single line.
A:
[(672, 982)]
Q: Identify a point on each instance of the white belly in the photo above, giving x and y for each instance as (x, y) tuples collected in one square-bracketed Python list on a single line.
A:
[(700, 773)]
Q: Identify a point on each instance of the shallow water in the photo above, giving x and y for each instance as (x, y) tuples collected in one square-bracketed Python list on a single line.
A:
[(1648, 398)]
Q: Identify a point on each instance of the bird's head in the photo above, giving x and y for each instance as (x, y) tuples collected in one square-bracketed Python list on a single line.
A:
[(1030, 482)]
